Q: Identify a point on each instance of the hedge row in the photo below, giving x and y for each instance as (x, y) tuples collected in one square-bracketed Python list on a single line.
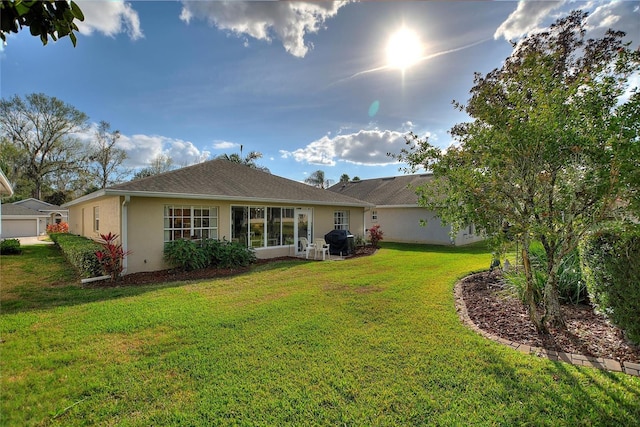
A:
[(80, 252), (611, 267)]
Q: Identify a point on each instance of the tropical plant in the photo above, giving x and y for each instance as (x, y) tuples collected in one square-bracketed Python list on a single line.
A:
[(375, 235), (111, 255)]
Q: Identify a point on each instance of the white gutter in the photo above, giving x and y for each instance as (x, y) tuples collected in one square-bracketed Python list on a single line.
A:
[(124, 235)]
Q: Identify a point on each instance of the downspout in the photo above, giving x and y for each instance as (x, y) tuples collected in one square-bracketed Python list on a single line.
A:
[(124, 224)]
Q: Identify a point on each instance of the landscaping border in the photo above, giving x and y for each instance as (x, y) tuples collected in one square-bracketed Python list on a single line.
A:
[(575, 359)]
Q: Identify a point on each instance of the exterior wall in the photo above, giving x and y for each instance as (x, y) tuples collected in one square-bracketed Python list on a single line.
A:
[(402, 224), (81, 217), (145, 231)]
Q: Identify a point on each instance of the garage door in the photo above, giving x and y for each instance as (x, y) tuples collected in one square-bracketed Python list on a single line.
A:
[(19, 228)]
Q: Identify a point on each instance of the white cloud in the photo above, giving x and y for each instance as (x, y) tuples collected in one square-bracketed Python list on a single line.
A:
[(526, 19), (141, 149), (617, 15), (109, 18), (287, 21), (366, 147), (224, 145)]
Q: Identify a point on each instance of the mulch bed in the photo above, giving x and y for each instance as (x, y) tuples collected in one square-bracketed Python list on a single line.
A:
[(494, 310)]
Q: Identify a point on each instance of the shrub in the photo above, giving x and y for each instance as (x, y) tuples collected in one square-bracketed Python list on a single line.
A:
[(61, 227), (192, 255), (612, 273), (571, 286), (80, 252), (111, 256), (375, 234), (234, 255), (184, 254), (10, 247)]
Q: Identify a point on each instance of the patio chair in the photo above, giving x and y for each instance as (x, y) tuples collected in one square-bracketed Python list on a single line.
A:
[(321, 246), (305, 246)]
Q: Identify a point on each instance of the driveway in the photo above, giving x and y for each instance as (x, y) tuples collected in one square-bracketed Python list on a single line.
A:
[(35, 240)]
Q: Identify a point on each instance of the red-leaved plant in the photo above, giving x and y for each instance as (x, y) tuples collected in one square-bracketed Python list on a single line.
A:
[(111, 255), (61, 227), (375, 235)]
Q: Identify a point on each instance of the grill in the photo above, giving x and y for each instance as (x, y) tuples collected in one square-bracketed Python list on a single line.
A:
[(341, 242)]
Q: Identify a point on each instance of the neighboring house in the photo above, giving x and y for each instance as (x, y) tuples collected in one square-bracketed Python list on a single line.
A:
[(30, 217), (396, 210), (18, 221), (56, 214), (5, 190), (215, 199)]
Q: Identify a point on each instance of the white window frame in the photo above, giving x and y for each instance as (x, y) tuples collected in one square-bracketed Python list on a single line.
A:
[(195, 222), (96, 218), (341, 220)]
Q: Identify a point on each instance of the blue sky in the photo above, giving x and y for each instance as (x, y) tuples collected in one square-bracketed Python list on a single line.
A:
[(308, 85)]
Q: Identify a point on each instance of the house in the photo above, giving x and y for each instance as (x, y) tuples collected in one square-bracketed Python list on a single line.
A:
[(396, 210), (30, 217), (5, 190), (216, 199), (19, 221), (55, 213)]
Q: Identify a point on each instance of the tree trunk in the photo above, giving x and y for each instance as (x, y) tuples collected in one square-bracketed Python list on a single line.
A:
[(552, 314), (529, 292)]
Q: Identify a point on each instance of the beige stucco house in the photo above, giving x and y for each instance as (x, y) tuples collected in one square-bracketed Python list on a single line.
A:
[(5, 190), (397, 212), (215, 199)]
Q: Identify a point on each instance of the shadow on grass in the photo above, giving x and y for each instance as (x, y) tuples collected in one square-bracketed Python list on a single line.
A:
[(40, 279)]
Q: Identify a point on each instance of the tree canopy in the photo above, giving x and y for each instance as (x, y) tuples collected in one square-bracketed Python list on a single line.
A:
[(552, 149), (45, 18), (248, 160), (317, 179), (41, 129)]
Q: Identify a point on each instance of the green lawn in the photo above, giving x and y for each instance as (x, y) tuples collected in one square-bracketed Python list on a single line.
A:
[(364, 342)]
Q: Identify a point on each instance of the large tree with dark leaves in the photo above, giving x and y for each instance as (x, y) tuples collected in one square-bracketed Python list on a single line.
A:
[(553, 148)]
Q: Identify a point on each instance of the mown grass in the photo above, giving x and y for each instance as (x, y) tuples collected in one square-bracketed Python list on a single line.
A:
[(369, 341)]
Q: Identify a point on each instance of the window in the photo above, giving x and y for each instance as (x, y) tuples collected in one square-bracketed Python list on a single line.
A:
[(260, 226), (96, 218), (341, 220), (374, 215), (190, 222)]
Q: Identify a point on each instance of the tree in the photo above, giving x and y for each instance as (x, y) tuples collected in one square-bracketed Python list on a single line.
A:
[(42, 128), (45, 18), (248, 160), (344, 178), (549, 152), (106, 158), (159, 164), (317, 179)]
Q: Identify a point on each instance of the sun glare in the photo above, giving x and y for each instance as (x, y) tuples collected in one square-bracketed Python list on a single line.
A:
[(404, 49)]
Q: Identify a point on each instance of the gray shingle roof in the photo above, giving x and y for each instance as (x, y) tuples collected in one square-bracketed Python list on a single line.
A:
[(225, 180), (11, 209), (390, 191)]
